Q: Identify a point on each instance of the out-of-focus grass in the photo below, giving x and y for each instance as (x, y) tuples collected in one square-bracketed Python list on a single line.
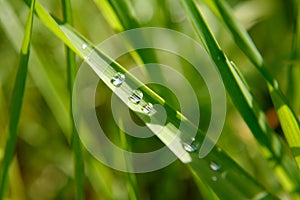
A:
[(79, 171), (17, 102), (43, 152)]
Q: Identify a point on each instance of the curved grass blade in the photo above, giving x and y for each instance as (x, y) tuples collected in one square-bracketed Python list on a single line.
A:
[(241, 96), (233, 171), (287, 117), (76, 144), (17, 101)]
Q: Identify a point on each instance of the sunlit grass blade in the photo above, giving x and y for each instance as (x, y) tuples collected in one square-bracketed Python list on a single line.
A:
[(109, 15), (75, 141), (240, 93), (17, 101), (239, 182), (287, 117)]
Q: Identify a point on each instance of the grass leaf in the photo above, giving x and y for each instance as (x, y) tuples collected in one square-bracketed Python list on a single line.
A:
[(132, 185), (109, 15), (39, 75), (76, 144), (240, 92), (287, 117), (17, 101)]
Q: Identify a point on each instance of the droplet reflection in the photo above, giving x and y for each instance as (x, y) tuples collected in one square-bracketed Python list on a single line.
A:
[(118, 79), (136, 96)]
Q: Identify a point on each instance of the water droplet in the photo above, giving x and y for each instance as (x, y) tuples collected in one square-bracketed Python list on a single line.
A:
[(136, 96), (214, 178), (118, 79), (191, 147), (214, 166), (147, 108), (83, 46), (224, 174)]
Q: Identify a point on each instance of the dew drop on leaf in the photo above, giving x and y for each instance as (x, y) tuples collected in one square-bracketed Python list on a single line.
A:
[(214, 166), (191, 147), (147, 109), (118, 79), (83, 46), (136, 96)]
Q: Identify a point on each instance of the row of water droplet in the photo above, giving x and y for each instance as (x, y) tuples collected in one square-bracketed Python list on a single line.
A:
[(136, 97)]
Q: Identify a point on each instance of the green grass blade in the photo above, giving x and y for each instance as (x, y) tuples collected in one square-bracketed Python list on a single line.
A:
[(76, 144), (52, 25), (289, 123), (205, 190), (287, 117), (109, 15), (239, 91), (100, 178), (17, 100), (245, 187), (293, 92), (234, 83), (132, 185), (239, 33), (124, 12)]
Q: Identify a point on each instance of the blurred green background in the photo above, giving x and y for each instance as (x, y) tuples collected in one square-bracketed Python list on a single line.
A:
[(43, 166)]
